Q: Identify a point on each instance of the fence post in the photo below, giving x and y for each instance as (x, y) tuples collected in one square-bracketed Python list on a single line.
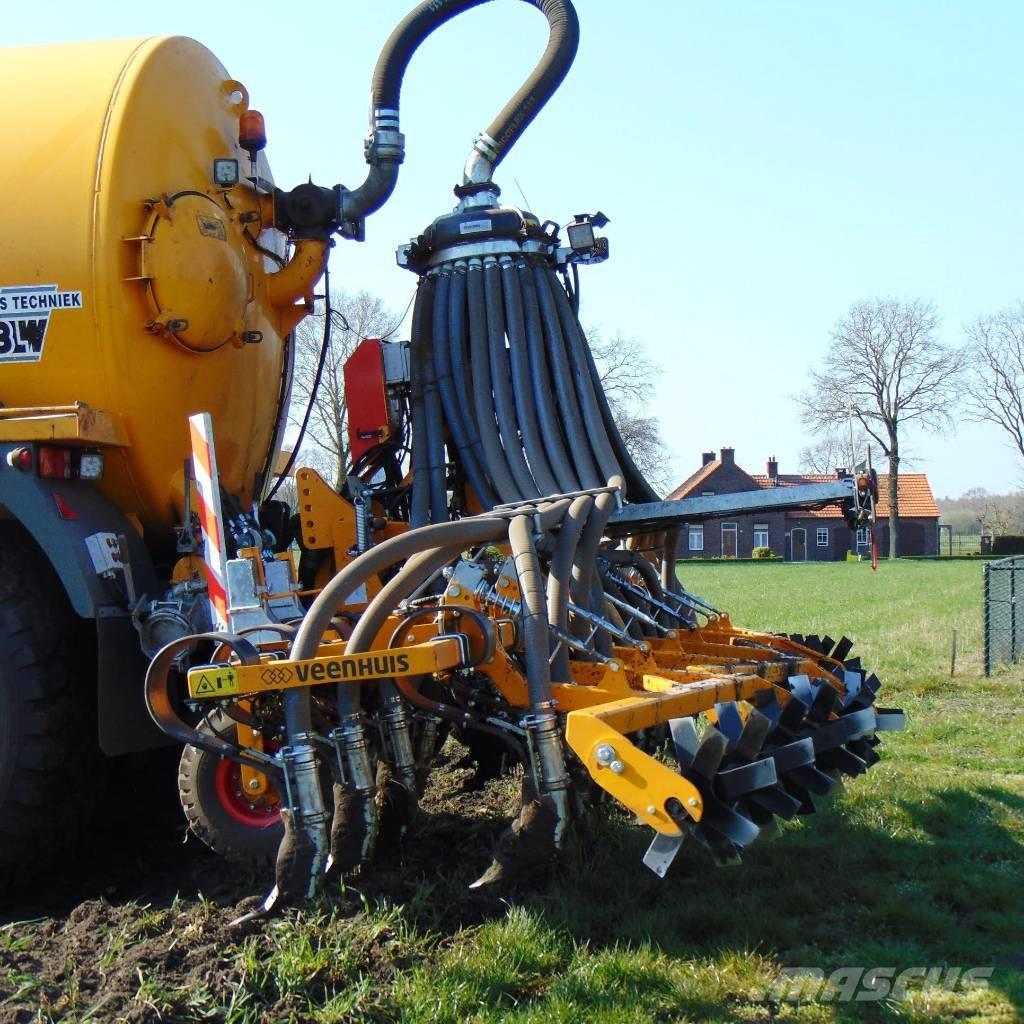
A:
[(988, 624), (1013, 612)]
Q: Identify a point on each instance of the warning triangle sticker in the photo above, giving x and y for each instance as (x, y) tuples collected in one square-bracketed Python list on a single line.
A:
[(205, 686)]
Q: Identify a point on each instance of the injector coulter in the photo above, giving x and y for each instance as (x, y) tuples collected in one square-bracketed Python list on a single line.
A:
[(496, 566)]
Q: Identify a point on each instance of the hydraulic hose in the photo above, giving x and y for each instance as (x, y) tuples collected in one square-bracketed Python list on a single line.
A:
[(420, 511), (385, 145), (560, 578), (576, 344), (550, 426), (579, 446), (504, 404), (522, 389), (483, 404), (535, 617), (448, 320), (515, 117), (586, 552), (637, 486), (434, 417)]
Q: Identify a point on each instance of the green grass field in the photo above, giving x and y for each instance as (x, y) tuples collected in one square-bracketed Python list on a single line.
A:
[(917, 864)]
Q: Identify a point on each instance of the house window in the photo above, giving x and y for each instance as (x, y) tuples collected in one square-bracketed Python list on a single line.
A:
[(760, 535), (862, 537), (822, 536), (696, 538), (707, 494)]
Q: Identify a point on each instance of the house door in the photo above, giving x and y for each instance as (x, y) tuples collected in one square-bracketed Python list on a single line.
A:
[(798, 544), (728, 540)]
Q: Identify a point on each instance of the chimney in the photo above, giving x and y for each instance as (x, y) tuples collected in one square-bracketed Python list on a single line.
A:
[(840, 472), (707, 457), (727, 456), (773, 468)]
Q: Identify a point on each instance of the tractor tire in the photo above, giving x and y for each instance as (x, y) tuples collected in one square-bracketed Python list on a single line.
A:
[(49, 754), (217, 811)]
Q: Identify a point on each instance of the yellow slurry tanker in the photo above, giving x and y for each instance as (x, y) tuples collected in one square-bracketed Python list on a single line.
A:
[(496, 567)]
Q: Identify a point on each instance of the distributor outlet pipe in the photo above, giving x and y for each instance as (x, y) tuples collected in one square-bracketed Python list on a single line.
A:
[(385, 144)]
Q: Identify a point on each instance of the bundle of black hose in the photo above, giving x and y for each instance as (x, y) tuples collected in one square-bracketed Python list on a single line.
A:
[(555, 444), (462, 383), (483, 401), (501, 384), (637, 487), (434, 420), (526, 407), (576, 343), (421, 318), (546, 77), (572, 420), (449, 346)]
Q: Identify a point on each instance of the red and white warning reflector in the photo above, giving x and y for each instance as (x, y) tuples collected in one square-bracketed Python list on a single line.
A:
[(204, 470)]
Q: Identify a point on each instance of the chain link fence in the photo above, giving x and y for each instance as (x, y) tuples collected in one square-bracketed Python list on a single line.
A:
[(1004, 594)]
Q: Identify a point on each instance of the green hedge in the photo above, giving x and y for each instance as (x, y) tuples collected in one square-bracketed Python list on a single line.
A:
[(1008, 544)]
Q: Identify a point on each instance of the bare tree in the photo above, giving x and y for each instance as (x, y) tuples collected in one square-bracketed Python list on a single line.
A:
[(627, 375), (885, 367), (834, 449), (995, 381), (353, 317)]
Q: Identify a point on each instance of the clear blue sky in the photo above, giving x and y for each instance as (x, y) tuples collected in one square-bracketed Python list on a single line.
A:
[(763, 164)]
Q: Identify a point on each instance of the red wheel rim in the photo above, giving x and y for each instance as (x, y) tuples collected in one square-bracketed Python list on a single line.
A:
[(263, 812)]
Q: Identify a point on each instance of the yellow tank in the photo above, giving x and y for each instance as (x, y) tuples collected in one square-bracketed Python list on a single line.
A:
[(129, 279)]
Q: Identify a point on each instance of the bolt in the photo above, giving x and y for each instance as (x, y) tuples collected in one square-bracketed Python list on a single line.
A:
[(613, 666), (671, 634), (651, 809), (617, 767), (605, 754), (454, 590), (410, 638), (254, 783), (692, 801)]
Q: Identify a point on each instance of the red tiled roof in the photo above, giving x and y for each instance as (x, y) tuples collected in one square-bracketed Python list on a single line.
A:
[(915, 494), (695, 478)]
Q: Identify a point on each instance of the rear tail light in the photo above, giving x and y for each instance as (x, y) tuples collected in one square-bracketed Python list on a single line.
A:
[(55, 463)]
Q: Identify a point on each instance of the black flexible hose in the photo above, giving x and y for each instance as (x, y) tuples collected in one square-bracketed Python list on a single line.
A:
[(534, 614), (522, 390), (576, 343), (572, 421), (560, 579), (421, 314), (546, 77), (483, 403), (555, 445), (637, 487), (501, 383), (436, 465), (586, 554), (451, 387)]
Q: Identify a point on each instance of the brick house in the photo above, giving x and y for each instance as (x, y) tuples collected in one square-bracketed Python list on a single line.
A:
[(819, 535)]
